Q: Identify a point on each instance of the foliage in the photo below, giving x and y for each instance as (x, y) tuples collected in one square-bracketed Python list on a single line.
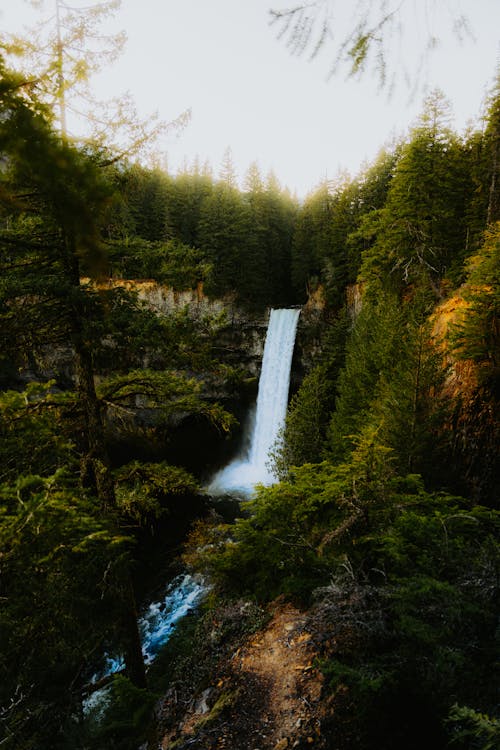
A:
[(189, 230), (364, 41), (143, 490), (172, 263), (62, 570), (428, 634), (402, 574), (61, 53), (124, 721), (477, 335), (372, 348), (420, 229), (283, 545), (128, 333), (34, 432), (309, 412), (472, 729), (303, 437), (169, 392), (406, 591)]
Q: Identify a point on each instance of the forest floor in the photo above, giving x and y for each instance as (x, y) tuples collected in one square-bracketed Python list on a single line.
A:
[(265, 695)]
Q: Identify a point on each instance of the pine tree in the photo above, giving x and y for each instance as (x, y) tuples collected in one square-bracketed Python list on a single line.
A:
[(484, 155), (372, 350), (48, 53), (421, 232), (59, 191), (62, 53), (227, 173), (222, 233)]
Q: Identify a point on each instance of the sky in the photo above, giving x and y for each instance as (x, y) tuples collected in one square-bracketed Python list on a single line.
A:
[(222, 60)]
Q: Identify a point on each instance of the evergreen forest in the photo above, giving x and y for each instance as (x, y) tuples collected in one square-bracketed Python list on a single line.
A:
[(383, 528)]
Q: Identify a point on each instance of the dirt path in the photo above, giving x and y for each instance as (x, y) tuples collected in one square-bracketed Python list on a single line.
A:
[(282, 659), (265, 698)]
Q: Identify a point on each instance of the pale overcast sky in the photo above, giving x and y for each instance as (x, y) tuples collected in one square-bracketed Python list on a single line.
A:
[(221, 58)]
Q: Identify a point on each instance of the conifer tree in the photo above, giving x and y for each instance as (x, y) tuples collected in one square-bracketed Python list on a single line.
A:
[(54, 188), (256, 281), (281, 211), (221, 235), (186, 194), (227, 172), (62, 53), (372, 349), (484, 150), (421, 232)]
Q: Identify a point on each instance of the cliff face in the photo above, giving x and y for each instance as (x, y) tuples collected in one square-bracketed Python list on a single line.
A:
[(475, 429), (238, 342), (237, 338), (239, 334), (462, 375), (240, 338)]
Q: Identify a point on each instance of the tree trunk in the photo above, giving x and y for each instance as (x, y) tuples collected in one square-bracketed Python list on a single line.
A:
[(134, 660), (95, 469)]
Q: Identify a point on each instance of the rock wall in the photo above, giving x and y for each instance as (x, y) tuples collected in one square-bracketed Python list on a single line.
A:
[(241, 336), (240, 340)]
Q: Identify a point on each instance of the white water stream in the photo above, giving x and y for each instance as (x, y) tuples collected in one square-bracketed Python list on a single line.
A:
[(251, 467), (156, 625)]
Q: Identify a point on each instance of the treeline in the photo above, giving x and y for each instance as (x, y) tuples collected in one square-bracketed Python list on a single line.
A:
[(417, 213), (192, 229), (385, 523), (427, 233)]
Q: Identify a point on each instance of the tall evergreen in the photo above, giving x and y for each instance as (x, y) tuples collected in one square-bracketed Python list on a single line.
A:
[(484, 149), (60, 192), (222, 233), (421, 232), (187, 192), (281, 212)]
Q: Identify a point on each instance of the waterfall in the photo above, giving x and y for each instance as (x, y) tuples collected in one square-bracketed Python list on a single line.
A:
[(184, 593), (249, 469)]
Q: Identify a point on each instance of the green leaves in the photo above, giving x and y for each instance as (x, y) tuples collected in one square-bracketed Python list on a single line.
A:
[(406, 604), (61, 570), (420, 233), (470, 728), (34, 430), (477, 334), (144, 491), (169, 392)]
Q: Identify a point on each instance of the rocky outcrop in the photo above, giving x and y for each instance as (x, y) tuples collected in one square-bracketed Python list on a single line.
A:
[(240, 339), (237, 338), (474, 465)]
